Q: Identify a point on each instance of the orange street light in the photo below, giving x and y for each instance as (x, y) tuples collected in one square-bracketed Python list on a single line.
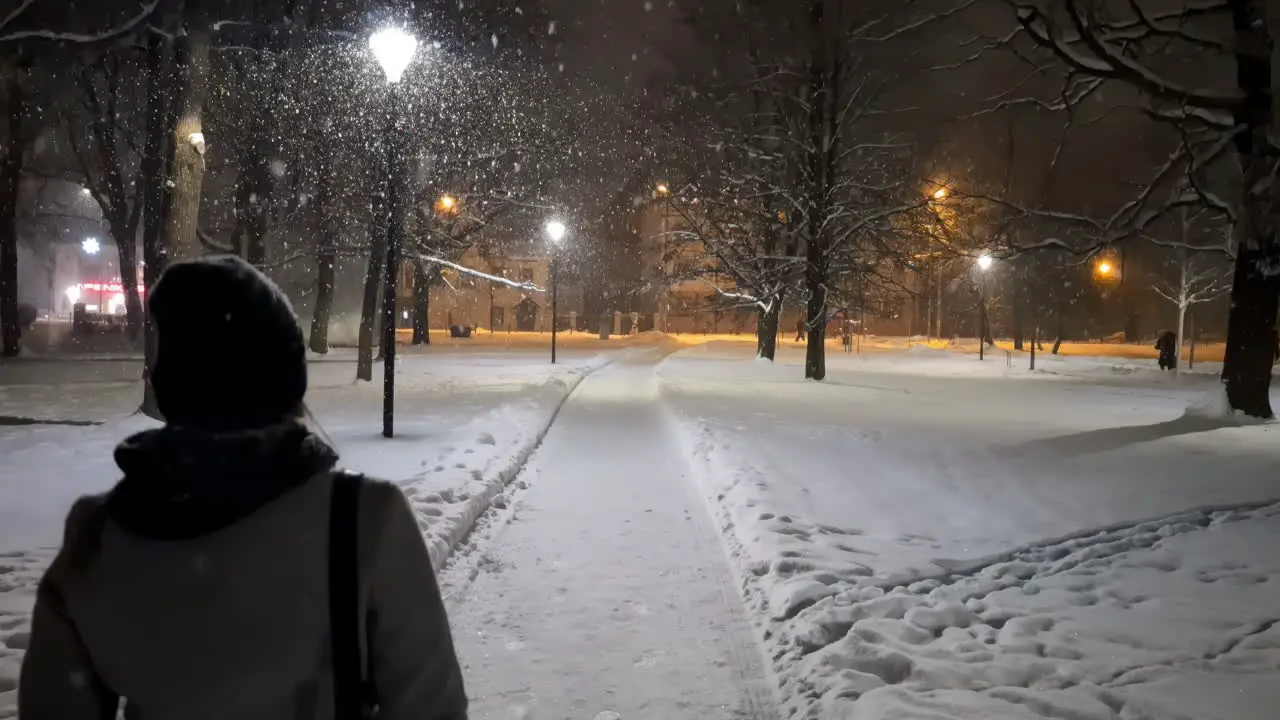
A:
[(1105, 268), (663, 189), (447, 204), (940, 193)]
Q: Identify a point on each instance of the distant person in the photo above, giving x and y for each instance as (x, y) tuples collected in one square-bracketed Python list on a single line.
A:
[(1167, 346), (201, 585)]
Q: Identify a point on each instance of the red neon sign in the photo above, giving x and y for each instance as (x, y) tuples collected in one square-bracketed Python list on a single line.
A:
[(111, 287)]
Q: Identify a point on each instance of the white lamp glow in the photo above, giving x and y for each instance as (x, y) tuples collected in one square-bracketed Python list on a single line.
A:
[(90, 246), (984, 261), (555, 231), (394, 49)]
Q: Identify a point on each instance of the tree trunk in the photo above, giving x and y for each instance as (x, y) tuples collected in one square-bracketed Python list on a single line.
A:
[(127, 246), (767, 329), (421, 305), (182, 211), (1251, 330), (1255, 290), (122, 213), (1177, 353), (10, 181), (372, 282), (815, 355), (154, 174), (823, 88), (325, 261), (255, 189)]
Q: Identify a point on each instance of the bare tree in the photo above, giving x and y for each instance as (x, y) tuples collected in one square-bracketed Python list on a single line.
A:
[(1198, 277), (1227, 155), (108, 156)]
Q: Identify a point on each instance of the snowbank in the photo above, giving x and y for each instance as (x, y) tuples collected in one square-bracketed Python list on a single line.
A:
[(890, 526)]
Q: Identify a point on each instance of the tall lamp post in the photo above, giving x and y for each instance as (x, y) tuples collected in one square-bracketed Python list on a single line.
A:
[(555, 233), (394, 50), (91, 247), (984, 264)]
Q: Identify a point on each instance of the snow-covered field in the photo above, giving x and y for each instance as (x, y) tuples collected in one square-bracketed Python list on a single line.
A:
[(466, 421), (924, 536), (921, 536)]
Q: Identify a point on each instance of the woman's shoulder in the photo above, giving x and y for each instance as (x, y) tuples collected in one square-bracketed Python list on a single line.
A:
[(380, 501)]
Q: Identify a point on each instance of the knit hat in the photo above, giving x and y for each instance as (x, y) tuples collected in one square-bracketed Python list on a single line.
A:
[(229, 353)]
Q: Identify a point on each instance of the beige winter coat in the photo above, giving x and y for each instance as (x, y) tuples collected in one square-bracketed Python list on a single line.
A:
[(235, 623)]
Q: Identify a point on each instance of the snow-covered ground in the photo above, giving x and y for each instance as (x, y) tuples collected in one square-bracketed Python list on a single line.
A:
[(466, 421), (603, 592), (894, 527), (920, 536)]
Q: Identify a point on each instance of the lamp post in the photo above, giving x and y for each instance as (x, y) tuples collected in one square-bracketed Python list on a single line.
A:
[(984, 263), (394, 50), (92, 247), (555, 233)]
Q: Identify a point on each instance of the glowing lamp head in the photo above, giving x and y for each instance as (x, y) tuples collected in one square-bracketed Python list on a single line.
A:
[(555, 231), (985, 261), (1104, 268), (663, 189), (394, 50), (448, 203), (939, 194), (90, 246)]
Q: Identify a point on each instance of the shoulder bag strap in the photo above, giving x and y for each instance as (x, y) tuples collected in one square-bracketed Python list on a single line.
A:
[(344, 597)]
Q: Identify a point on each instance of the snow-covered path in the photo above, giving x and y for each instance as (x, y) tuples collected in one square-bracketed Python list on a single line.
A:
[(606, 589)]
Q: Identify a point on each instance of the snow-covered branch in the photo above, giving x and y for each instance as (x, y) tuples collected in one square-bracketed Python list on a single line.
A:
[(525, 286), (134, 23)]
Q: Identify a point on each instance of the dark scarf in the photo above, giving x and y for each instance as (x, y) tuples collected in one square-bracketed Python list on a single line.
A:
[(182, 483)]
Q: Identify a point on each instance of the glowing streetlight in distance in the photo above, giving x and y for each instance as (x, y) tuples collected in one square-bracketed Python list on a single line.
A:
[(1104, 268), (940, 193), (448, 203), (985, 261), (555, 231), (394, 49), (663, 189), (90, 246)]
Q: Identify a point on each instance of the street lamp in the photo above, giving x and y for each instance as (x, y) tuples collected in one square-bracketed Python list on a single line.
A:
[(90, 246), (394, 49), (447, 204), (555, 232), (984, 263)]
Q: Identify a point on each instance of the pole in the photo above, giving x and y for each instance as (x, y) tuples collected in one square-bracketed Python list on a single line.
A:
[(982, 313), (555, 293), (1035, 337), (392, 265)]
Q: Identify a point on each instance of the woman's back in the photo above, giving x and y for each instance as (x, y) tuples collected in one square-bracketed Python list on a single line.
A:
[(199, 586)]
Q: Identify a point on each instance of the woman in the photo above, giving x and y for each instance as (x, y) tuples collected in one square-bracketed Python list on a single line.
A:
[(1167, 346), (199, 587)]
